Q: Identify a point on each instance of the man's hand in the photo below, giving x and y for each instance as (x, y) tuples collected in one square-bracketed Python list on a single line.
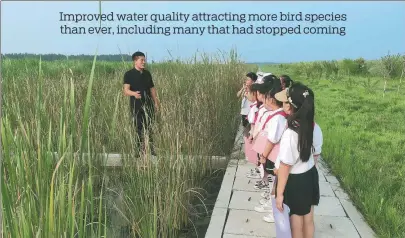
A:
[(128, 92), (157, 106), (138, 95)]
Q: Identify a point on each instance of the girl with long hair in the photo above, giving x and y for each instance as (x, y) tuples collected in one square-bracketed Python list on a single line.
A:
[(297, 183)]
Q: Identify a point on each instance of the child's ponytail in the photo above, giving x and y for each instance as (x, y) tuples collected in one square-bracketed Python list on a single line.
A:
[(302, 119)]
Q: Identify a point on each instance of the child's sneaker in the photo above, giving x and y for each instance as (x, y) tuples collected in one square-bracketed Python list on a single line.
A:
[(264, 194), (251, 171), (253, 174), (267, 207), (258, 182), (262, 185), (268, 218), (269, 185), (265, 199)]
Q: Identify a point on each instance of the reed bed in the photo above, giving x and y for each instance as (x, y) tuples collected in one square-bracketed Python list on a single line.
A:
[(77, 107)]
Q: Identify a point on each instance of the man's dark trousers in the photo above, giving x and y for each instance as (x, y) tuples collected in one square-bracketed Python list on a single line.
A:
[(143, 124)]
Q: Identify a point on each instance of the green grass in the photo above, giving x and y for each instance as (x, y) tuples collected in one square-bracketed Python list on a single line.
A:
[(78, 106), (364, 144)]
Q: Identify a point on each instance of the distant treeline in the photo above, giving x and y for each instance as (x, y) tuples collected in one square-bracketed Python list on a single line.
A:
[(111, 58), (52, 57)]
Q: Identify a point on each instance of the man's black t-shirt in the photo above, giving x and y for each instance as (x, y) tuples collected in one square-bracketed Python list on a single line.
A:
[(142, 82)]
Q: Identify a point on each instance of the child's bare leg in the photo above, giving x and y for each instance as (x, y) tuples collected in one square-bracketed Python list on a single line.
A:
[(265, 177), (297, 226), (273, 190)]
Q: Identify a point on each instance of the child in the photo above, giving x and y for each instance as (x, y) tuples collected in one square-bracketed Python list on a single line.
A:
[(285, 82), (262, 114), (261, 89), (274, 127), (255, 115), (252, 115), (297, 177), (243, 92)]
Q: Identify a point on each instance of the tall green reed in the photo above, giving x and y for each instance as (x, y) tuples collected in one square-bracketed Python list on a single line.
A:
[(44, 195)]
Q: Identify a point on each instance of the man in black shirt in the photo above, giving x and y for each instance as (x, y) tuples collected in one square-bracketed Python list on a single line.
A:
[(139, 86)]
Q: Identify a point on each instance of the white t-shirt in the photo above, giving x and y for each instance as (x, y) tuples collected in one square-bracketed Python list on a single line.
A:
[(261, 118), (318, 140), (275, 127), (245, 106), (290, 155), (252, 110)]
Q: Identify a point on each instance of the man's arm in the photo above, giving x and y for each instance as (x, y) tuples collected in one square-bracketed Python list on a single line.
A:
[(126, 89), (153, 92), (154, 95), (128, 92)]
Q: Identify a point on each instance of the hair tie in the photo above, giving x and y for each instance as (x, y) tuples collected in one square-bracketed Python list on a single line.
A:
[(306, 93)]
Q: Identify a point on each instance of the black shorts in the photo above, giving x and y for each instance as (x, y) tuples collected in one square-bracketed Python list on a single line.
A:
[(245, 121), (302, 192), (269, 166), (246, 131)]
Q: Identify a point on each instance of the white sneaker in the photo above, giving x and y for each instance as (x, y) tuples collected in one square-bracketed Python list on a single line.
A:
[(267, 207), (250, 172), (253, 171), (263, 201), (265, 194), (266, 198), (253, 176), (262, 186), (258, 182), (268, 218)]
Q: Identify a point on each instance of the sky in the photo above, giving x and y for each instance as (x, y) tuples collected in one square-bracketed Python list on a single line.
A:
[(372, 30)]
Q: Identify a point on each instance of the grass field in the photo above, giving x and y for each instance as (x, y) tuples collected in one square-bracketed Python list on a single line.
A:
[(77, 106)]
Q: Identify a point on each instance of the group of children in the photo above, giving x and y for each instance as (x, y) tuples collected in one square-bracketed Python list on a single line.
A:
[(284, 142)]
